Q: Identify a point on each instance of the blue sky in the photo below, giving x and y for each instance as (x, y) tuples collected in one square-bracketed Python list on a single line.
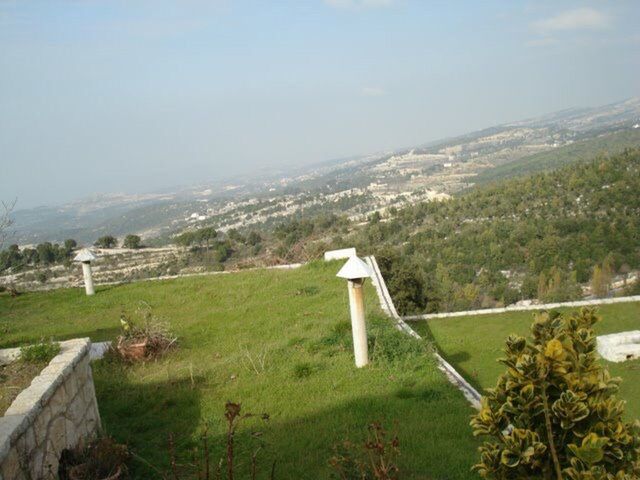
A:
[(131, 96)]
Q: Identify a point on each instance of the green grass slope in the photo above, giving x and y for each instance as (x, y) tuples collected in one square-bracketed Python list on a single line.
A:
[(474, 343), (295, 321), (579, 151)]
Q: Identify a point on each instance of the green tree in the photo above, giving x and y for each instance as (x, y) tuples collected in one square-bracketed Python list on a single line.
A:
[(554, 413), (601, 280), (46, 253), (254, 238), (560, 286), (106, 241), (5, 220), (70, 244), (185, 239), (235, 236), (206, 235), (132, 241)]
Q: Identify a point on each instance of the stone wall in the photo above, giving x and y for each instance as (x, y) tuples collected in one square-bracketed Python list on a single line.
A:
[(57, 411)]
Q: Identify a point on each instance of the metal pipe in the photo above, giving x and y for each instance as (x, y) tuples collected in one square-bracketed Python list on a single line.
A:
[(88, 280), (358, 326)]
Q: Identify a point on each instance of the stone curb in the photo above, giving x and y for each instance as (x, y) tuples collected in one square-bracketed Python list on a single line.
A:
[(386, 303), (546, 306)]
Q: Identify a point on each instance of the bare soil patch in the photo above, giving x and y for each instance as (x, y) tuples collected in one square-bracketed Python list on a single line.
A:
[(14, 378)]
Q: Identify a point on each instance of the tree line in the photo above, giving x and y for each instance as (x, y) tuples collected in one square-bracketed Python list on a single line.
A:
[(47, 253), (536, 237)]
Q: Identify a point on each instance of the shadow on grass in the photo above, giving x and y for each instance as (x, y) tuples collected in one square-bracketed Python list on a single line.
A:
[(453, 358), (433, 430), (144, 414)]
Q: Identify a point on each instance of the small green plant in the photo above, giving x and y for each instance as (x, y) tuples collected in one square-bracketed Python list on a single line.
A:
[(308, 291), (304, 370), (42, 352), (375, 459), (554, 414)]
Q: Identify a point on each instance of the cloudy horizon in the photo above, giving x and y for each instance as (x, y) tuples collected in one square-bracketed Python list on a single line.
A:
[(102, 97)]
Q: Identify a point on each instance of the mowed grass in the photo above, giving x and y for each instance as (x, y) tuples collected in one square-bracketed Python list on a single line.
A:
[(293, 321), (473, 344)]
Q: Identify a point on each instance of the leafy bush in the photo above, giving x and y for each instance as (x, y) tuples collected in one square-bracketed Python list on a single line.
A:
[(106, 241), (554, 413), (144, 336), (42, 352), (132, 241)]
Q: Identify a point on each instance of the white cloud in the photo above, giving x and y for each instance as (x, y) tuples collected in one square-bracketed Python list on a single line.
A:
[(373, 92), (578, 19), (359, 4)]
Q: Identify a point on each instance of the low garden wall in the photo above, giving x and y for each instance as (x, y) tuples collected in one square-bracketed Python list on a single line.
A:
[(523, 308), (57, 411)]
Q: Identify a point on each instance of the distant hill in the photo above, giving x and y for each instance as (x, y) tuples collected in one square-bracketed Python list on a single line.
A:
[(534, 237), (583, 150), (355, 187)]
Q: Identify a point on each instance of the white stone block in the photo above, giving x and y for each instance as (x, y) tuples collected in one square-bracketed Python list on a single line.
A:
[(619, 347), (339, 254)]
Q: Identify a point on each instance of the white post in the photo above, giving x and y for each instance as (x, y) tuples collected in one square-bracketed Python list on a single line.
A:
[(355, 271), (88, 281), (358, 326)]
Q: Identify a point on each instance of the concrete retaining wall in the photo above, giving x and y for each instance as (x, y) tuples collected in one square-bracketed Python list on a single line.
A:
[(386, 303), (524, 308), (57, 411), (344, 253)]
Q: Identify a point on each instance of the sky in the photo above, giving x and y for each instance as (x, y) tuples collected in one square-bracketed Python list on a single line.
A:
[(139, 95)]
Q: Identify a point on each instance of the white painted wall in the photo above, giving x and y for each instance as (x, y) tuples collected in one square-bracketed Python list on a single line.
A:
[(339, 254)]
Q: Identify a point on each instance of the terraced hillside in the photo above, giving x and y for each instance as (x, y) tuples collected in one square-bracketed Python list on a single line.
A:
[(118, 264)]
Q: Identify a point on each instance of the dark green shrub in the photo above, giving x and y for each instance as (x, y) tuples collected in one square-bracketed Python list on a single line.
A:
[(106, 241), (304, 370), (554, 413)]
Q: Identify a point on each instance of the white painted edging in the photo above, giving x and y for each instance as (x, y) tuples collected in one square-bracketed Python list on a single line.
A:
[(386, 302), (524, 308)]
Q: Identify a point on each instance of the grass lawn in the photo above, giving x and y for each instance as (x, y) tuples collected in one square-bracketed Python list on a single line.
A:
[(473, 344), (294, 321)]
